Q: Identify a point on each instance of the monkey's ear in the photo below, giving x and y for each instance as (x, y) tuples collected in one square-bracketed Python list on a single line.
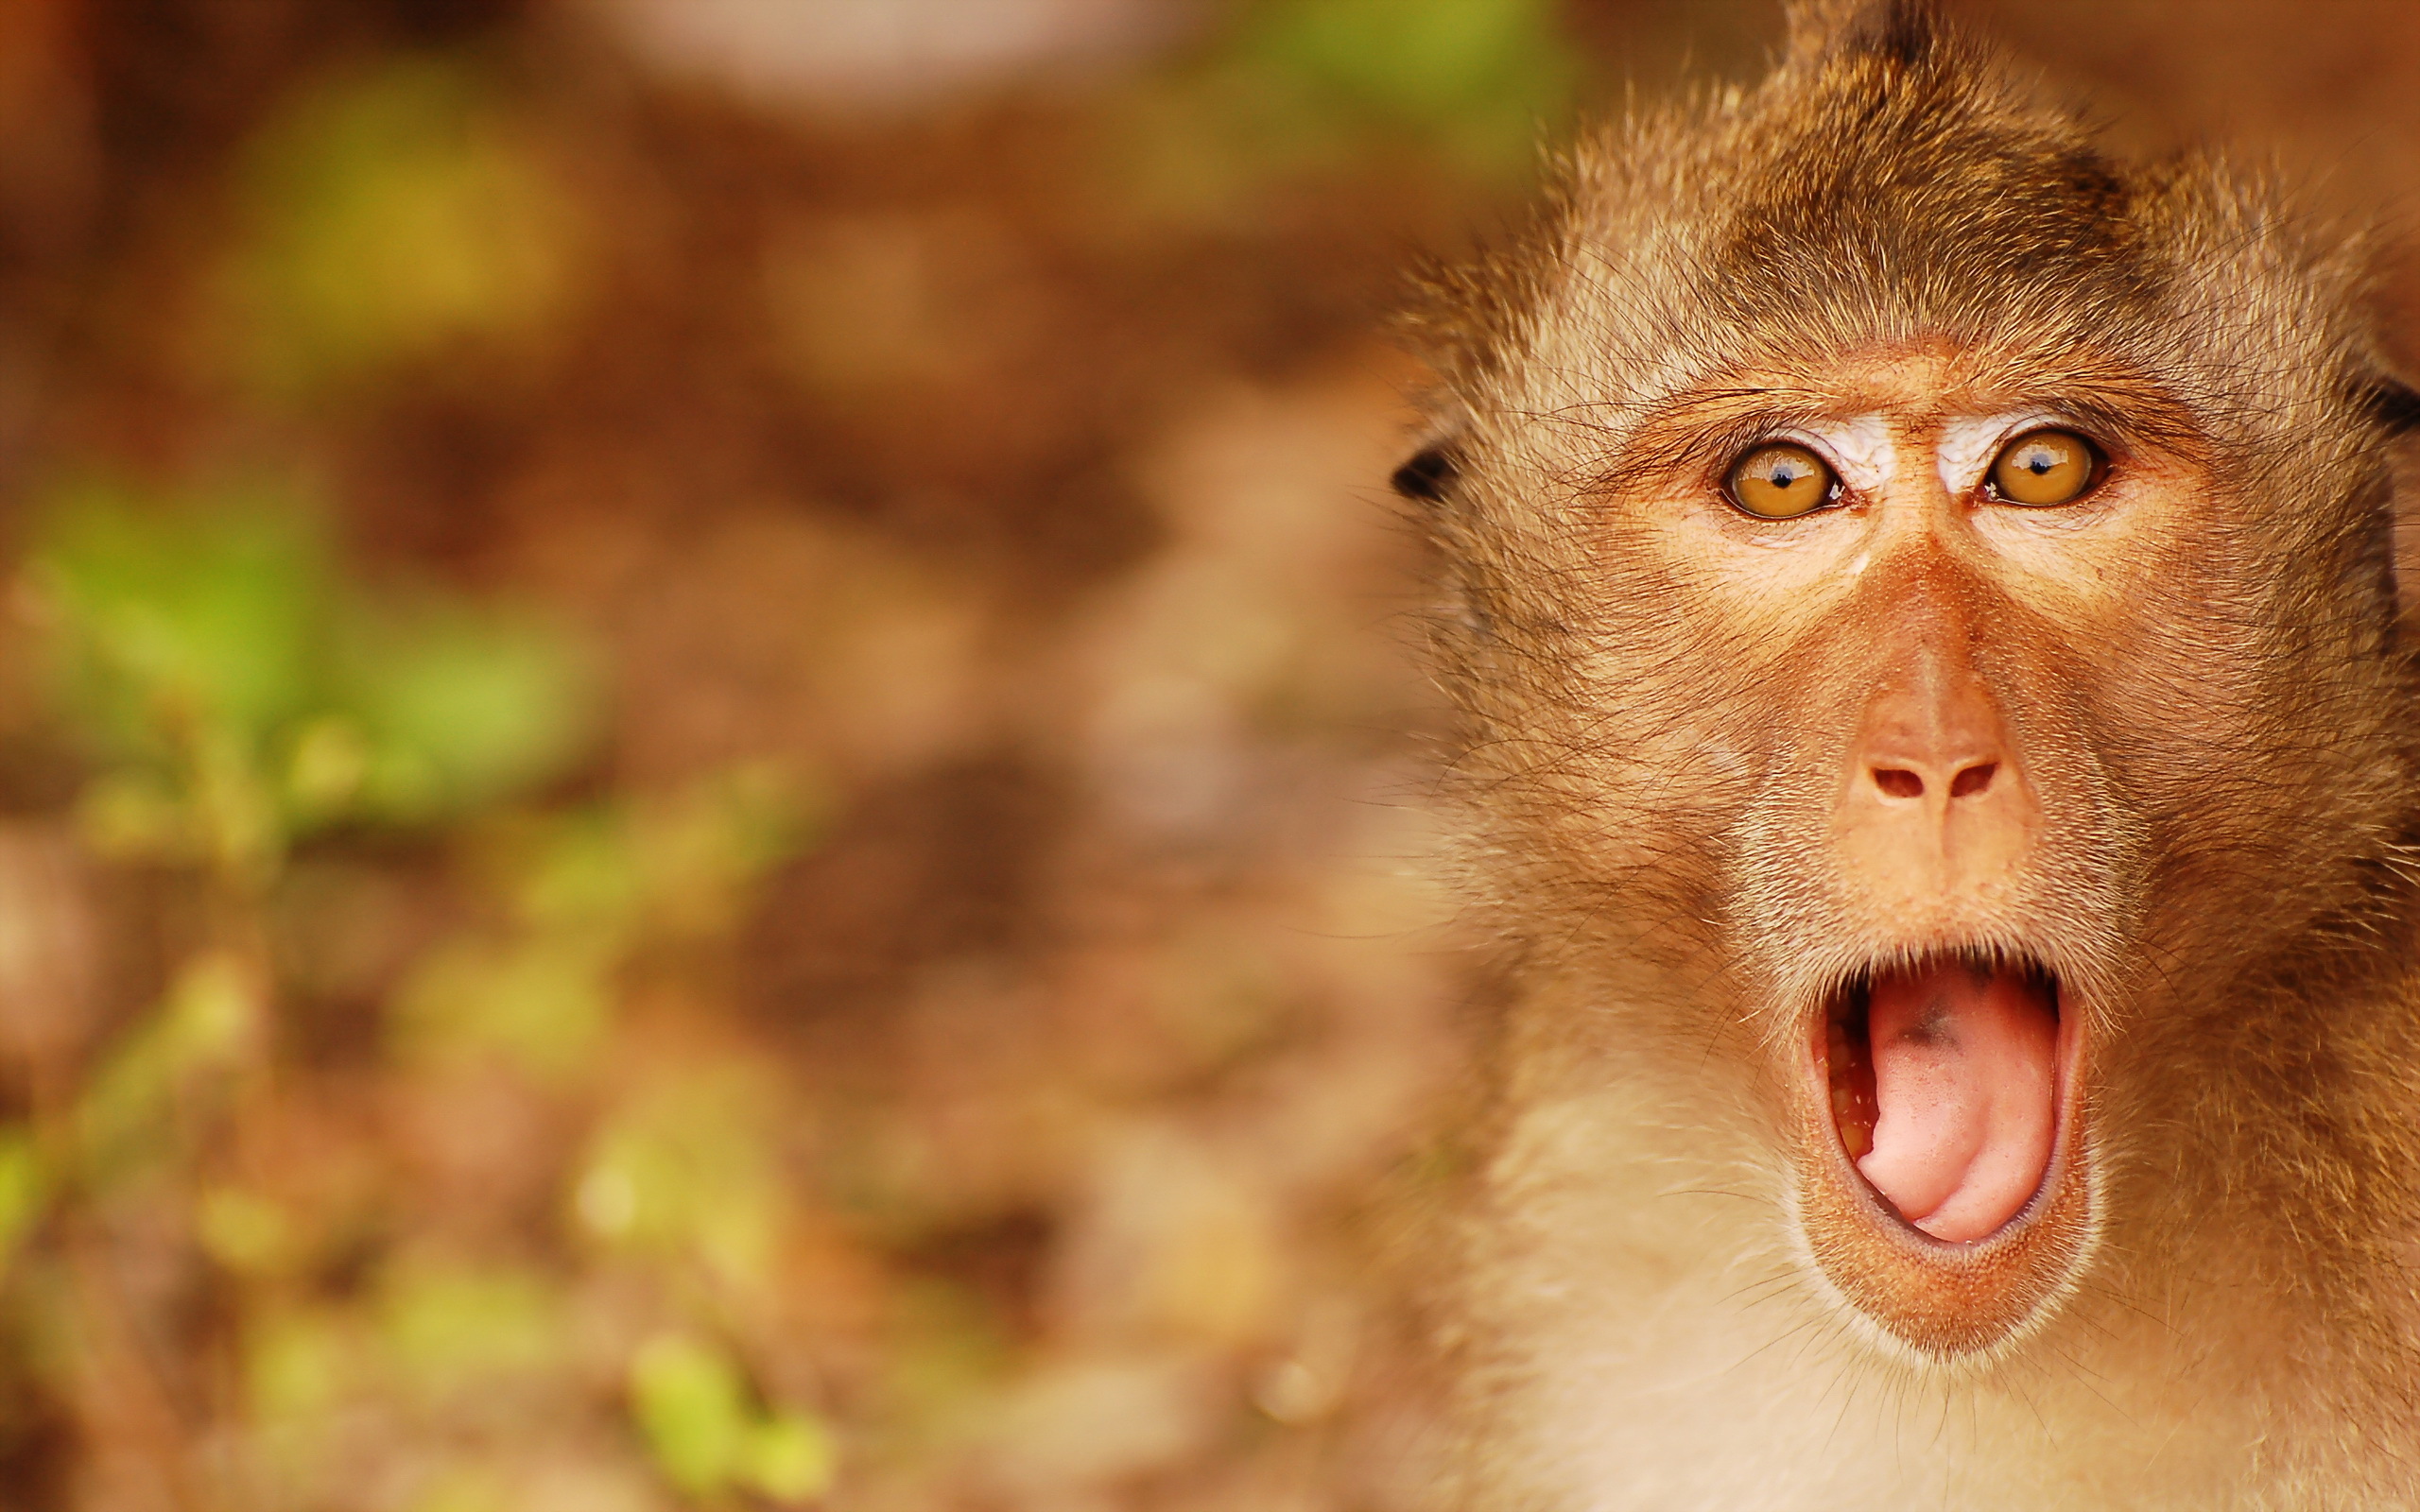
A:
[(2392, 402), (1426, 476)]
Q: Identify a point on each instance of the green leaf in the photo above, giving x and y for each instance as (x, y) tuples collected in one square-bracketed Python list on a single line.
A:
[(392, 215), (295, 1364), (174, 624), (687, 1168), (582, 871), (791, 1457), (244, 1231), (447, 1328), (665, 867), (23, 1190), (699, 853), (214, 1008), (1422, 59), (1477, 75), (445, 709), (545, 1003), (241, 691), (692, 1406)]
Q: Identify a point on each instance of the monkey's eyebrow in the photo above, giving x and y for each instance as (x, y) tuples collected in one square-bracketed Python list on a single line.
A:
[(1861, 446), (1689, 426), (1967, 444), (1758, 404)]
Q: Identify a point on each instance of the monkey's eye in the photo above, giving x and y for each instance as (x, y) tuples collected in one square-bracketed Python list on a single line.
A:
[(1781, 480), (2044, 468)]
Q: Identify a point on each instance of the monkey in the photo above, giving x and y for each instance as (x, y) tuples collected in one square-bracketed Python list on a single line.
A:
[(1936, 742)]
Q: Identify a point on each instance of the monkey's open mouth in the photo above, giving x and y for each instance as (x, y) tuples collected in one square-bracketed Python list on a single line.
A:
[(1945, 1080)]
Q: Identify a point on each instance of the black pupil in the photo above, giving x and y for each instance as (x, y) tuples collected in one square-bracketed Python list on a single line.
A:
[(2039, 460), (1787, 473)]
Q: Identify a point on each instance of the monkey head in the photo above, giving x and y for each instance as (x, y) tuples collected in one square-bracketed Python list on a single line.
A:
[(1920, 597)]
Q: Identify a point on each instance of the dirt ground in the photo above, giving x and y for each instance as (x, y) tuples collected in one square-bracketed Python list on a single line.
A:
[(711, 750)]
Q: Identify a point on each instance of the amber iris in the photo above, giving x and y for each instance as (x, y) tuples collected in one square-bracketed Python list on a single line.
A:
[(1778, 480), (2045, 467)]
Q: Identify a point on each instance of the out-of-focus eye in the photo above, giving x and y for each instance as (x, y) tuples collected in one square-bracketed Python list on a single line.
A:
[(1780, 480), (2045, 467)]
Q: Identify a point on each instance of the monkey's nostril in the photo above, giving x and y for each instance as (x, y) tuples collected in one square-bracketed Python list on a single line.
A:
[(1898, 781), (1973, 780)]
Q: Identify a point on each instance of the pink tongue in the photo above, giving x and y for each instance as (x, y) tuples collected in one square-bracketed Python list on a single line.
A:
[(1965, 1081)]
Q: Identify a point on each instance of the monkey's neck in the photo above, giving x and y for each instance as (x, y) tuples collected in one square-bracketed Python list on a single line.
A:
[(2251, 1292)]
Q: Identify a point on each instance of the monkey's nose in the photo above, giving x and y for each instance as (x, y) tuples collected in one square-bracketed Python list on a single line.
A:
[(1935, 802), (1931, 730), (1911, 781)]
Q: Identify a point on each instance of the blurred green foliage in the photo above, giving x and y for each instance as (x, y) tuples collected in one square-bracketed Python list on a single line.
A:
[(161, 1068), (692, 1402), (687, 1169), (238, 694), (20, 1191), (1476, 78), (580, 893), (1297, 86), (536, 994), (394, 215), (445, 1329)]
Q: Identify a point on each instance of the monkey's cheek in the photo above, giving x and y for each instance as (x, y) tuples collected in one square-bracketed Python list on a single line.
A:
[(1938, 1302)]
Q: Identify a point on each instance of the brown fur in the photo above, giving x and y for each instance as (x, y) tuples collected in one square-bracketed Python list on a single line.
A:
[(2218, 715)]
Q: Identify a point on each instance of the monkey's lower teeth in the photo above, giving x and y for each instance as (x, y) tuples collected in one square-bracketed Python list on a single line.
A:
[(1963, 1061), (1851, 1071)]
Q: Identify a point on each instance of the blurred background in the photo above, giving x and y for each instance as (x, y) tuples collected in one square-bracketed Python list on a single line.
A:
[(710, 763)]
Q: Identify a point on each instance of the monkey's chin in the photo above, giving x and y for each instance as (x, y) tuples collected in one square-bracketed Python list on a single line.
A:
[(1992, 1267)]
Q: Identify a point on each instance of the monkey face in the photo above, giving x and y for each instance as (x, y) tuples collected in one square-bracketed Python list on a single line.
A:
[(1929, 891), (1928, 883), (1926, 736)]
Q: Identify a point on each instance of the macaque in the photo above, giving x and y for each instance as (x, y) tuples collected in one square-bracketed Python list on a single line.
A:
[(1938, 748)]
